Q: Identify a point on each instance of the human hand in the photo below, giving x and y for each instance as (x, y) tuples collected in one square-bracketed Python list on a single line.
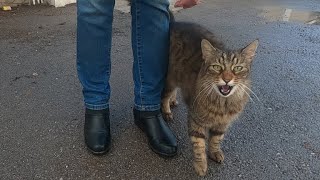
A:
[(186, 3)]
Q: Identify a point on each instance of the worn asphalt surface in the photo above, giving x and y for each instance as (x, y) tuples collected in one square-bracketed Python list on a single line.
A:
[(42, 114)]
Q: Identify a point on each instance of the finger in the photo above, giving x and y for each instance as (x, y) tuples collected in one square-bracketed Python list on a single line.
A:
[(178, 4), (189, 5)]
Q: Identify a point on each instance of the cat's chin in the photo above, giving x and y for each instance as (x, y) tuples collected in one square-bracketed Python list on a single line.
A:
[(225, 90)]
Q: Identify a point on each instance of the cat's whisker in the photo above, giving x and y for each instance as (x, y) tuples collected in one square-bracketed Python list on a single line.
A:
[(206, 92), (206, 85), (210, 92), (246, 93), (205, 89), (250, 91), (207, 95)]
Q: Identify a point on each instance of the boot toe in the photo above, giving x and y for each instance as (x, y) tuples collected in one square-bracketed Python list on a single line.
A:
[(98, 143), (164, 149)]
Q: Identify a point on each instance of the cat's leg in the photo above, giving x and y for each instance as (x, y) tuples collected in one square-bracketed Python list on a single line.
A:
[(173, 99), (198, 138), (168, 93), (215, 152)]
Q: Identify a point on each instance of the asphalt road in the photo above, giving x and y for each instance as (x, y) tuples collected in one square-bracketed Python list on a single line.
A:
[(42, 115)]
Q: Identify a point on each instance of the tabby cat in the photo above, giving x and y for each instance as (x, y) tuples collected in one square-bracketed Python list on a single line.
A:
[(214, 82), (215, 86)]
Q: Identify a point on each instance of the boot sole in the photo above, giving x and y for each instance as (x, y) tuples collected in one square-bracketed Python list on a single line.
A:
[(100, 152)]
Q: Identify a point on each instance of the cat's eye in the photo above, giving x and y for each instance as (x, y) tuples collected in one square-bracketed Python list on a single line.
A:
[(215, 68), (237, 68)]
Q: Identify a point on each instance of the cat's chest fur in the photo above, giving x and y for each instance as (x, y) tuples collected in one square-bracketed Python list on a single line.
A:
[(216, 110)]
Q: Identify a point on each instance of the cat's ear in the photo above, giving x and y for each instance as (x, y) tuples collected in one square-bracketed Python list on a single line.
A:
[(207, 49), (250, 51)]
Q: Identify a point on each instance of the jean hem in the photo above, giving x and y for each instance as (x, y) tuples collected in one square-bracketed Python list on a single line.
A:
[(147, 107), (96, 107)]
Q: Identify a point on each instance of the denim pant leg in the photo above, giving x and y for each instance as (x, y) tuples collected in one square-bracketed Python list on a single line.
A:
[(150, 44), (94, 28)]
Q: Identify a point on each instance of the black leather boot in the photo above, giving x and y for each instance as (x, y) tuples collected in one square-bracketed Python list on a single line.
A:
[(97, 131), (161, 139)]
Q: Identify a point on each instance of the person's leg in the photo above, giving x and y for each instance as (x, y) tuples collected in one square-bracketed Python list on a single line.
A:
[(150, 44), (94, 34)]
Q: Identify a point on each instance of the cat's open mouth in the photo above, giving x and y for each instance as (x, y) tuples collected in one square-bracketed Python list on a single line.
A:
[(225, 89)]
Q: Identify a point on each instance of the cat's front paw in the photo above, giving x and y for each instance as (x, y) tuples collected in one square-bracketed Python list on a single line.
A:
[(217, 156), (167, 116), (174, 103), (201, 168)]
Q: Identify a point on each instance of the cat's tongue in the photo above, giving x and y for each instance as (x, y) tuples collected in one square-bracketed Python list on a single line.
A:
[(225, 88)]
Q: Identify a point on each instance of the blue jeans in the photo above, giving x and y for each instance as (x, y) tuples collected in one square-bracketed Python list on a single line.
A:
[(150, 45)]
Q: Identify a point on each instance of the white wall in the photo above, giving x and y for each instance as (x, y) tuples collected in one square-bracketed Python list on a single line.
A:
[(61, 3)]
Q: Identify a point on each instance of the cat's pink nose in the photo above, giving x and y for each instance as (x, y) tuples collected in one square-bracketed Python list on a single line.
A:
[(226, 80), (227, 76)]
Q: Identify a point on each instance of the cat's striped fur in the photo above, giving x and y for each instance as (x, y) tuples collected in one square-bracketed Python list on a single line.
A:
[(215, 86)]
